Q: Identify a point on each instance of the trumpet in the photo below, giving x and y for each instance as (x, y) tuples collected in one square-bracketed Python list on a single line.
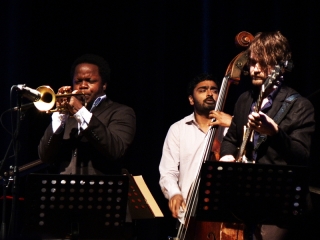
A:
[(48, 99)]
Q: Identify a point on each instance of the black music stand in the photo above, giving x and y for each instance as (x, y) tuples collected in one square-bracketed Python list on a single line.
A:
[(76, 206), (252, 193)]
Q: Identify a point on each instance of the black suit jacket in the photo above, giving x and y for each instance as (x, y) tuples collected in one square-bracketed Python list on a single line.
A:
[(291, 145), (106, 139)]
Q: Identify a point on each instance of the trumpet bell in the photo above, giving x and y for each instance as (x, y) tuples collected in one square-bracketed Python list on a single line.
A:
[(47, 100)]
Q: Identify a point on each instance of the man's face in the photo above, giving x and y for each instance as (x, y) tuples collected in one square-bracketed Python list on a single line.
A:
[(205, 95), (257, 73), (87, 79)]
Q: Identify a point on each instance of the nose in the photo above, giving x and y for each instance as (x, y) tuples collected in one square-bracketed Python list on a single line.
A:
[(209, 92), (257, 68), (83, 84)]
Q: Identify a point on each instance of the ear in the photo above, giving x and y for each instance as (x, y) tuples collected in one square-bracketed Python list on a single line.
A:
[(104, 87), (191, 100)]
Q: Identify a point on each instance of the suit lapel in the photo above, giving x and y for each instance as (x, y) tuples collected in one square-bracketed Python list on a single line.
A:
[(103, 106), (277, 102)]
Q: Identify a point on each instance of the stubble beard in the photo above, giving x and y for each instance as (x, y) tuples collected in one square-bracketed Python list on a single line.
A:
[(257, 82), (204, 108)]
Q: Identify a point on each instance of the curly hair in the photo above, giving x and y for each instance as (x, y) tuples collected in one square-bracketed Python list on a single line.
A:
[(270, 48), (103, 66)]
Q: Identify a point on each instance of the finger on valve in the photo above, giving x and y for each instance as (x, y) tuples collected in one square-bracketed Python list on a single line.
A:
[(62, 103)]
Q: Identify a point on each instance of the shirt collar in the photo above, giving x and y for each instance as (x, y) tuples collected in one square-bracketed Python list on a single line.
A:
[(190, 119), (97, 101)]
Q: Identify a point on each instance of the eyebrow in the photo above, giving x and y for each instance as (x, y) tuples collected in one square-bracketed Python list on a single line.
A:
[(206, 87), (83, 79)]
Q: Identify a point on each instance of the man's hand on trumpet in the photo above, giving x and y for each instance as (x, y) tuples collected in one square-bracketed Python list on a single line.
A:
[(61, 102), (70, 104)]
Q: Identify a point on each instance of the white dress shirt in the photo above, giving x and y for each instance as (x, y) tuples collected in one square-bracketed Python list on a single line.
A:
[(182, 155)]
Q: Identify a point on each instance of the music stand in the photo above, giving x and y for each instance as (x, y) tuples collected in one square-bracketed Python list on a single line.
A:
[(138, 205), (252, 193), (76, 206)]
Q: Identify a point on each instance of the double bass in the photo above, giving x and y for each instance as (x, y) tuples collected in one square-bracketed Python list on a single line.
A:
[(192, 229)]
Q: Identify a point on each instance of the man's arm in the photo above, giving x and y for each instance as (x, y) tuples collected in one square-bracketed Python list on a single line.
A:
[(293, 140), (169, 171), (112, 134)]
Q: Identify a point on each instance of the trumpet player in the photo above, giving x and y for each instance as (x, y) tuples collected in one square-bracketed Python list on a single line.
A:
[(91, 136)]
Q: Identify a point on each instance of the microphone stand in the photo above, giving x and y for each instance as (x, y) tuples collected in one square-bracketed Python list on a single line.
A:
[(6, 180), (33, 95), (13, 222)]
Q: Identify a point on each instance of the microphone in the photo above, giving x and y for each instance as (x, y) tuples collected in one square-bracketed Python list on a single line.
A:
[(24, 107), (31, 94)]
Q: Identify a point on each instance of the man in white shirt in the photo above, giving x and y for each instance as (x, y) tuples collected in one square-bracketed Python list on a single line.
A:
[(180, 159)]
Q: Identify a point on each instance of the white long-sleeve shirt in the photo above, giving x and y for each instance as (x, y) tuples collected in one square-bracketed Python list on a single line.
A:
[(182, 155)]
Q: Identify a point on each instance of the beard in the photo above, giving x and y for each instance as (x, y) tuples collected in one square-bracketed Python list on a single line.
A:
[(206, 106), (257, 82)]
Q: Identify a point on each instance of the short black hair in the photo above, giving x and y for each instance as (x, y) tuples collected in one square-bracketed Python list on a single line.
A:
[(103, 65), (200, 78)]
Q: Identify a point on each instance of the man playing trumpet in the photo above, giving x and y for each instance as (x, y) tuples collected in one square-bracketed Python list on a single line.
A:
[(88, 138)]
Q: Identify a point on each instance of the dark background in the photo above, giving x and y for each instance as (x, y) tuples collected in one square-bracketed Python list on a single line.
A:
[(154, 48)]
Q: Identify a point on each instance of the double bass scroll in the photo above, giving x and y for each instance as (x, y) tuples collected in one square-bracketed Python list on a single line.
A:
[(242, 39)]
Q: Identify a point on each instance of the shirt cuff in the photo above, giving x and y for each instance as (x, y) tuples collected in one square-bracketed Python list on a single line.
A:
[(58, 121), (169, 189), (83, 117), (174, 192)]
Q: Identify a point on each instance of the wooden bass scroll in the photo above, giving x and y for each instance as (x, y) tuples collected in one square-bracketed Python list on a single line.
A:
[(192, 229)]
